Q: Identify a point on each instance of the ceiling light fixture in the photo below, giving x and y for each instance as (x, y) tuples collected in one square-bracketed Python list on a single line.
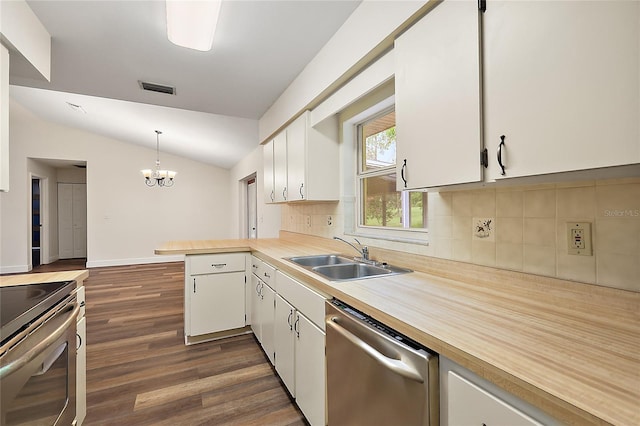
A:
[(157, 176), (192, 24)]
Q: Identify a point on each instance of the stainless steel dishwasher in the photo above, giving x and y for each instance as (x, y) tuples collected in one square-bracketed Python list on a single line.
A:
[(376, 376)]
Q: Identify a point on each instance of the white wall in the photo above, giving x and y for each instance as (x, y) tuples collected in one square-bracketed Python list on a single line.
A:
[(268, 214), (369, 26), (126, 220)]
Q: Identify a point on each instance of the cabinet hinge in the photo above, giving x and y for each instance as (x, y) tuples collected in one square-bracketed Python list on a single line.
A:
[(484, 158), (482, 5), (245, 279)]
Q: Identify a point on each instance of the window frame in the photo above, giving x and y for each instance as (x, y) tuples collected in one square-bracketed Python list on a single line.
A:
[(413, 235)]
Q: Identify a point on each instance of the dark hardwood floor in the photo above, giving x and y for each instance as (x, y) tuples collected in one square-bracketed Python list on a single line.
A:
[(139, 372)]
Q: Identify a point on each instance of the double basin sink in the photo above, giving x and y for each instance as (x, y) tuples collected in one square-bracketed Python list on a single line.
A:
[(335, 267)]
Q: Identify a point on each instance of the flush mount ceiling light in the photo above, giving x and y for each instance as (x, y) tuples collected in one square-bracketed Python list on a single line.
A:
[(158, 177), (192, 24)]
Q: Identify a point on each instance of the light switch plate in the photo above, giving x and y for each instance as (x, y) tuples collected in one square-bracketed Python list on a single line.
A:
[(579, 238)]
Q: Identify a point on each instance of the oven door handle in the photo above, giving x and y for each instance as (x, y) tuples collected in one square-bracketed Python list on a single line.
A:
[(16, 364), (394, 365)]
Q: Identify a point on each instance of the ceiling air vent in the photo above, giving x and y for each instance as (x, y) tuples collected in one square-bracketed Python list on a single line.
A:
[(160, 88)]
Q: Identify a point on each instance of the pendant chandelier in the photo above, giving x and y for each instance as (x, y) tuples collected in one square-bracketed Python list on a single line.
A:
[(158, 177)]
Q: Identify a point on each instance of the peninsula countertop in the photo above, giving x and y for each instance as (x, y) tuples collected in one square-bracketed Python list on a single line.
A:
[(571, 349), (45, 277)]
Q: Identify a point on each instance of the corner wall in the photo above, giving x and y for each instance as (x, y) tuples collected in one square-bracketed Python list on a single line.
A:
[(126, 220)]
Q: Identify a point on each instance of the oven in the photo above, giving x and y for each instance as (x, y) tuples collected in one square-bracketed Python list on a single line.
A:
[(38, 354)]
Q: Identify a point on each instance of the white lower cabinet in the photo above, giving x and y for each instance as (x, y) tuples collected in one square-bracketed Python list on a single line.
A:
[(214, 293), (300, 346), (467, 399), (263, 313), (310, 370)]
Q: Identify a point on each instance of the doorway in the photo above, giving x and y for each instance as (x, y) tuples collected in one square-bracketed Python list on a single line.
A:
[(36, 221), (252, 208)]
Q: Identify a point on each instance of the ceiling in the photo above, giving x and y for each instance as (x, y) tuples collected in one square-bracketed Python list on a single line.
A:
[(104, 48)]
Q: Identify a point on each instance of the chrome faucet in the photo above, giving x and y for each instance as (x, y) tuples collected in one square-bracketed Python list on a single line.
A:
[(363, 250)]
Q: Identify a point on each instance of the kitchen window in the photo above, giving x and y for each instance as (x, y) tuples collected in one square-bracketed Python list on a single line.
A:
[(381, 209)]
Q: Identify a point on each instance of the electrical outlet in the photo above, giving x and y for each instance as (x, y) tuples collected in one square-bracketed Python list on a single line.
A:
[(307, 221), (579, 238), (329, 220)]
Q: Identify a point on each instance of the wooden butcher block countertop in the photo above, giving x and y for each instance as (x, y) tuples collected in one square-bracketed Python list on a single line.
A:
[(571, 349), (45, 277)]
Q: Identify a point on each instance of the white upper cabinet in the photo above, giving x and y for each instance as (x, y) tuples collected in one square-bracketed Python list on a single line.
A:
[(303, 161), (438, 98), (312, 160), (269, 176), (561, 84)]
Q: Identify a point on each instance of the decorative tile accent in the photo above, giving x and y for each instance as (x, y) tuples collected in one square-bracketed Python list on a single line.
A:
[(484, 229)]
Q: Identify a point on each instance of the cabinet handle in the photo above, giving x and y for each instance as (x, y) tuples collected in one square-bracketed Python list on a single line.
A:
[(289, 319), (272, 195), (79, 345), (296, 328), (218, 265), (301, 194), (500, 154), (258, 288), (261, 293), (404, 166), (284, 193), (194, 285)]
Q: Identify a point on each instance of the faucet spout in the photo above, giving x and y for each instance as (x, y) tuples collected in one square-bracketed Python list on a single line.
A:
[(363, 251)]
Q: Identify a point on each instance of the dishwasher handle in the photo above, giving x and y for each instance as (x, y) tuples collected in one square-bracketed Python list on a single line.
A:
[(394, 365)]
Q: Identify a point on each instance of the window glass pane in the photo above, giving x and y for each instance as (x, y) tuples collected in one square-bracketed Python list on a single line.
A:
[(382, 204), (418, 208), (379, 142)]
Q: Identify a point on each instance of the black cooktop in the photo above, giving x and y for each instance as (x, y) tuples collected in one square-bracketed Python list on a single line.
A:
[(22, 304)]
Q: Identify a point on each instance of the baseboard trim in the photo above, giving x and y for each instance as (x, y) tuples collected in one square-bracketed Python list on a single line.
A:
[(134, 261)]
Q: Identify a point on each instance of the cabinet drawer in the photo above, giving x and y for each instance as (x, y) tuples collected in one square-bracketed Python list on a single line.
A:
[(309, 302), (216, 263), (266, 273), (470, 404)]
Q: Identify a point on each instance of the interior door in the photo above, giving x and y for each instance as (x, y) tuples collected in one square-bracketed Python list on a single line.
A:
[(65, 220), (252, 205), (79, 220)]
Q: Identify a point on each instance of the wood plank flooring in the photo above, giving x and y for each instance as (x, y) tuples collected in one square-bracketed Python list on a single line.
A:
[(139, 372)]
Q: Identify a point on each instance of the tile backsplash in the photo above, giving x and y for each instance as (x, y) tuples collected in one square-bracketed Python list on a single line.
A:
[(528, 228)]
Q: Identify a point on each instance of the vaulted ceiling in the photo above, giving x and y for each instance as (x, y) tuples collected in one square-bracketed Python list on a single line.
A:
[(103, 49)]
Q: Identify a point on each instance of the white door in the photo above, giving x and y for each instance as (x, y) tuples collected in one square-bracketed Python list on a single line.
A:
[(65, 220), (438, 98), (296, 156), (217, 302), (267, 317), (562, 84), (284, 342), (79, 220), (280, 166), (252, 206), (310, 370)]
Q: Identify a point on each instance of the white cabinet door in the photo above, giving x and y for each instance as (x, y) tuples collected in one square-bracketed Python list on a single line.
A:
[(280, 166), (81, 372), (472, 405), (284, 343), (561, 83), (438, 98), (296, 158), (217, 303), (267, 318), (268, 173), (310, 370), (255, 289), (4, 118)]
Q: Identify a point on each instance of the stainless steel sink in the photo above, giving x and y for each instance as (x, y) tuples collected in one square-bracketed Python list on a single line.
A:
[(340, 268), (320, 260)]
